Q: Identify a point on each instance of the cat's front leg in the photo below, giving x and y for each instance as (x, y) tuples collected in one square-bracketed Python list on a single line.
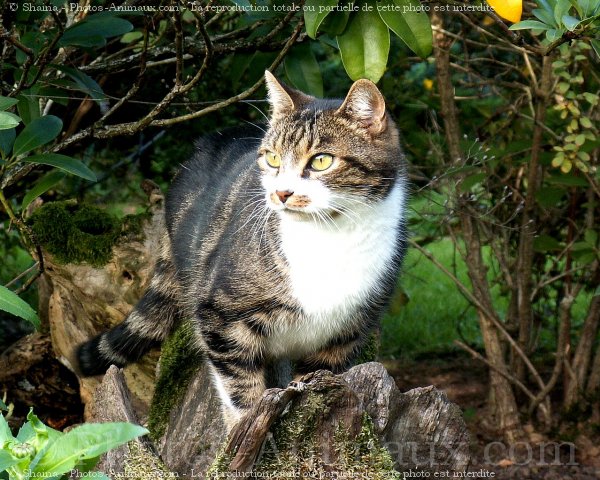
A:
[(239, 382), (237, 366), (337, 356)]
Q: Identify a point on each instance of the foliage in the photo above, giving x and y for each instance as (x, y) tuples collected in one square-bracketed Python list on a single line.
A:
[(565, 20), (362, 31), (40, 451), (12, 303), (512, 183)]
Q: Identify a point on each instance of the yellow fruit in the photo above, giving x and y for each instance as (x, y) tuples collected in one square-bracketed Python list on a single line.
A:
[(428, 84), (510, 10)]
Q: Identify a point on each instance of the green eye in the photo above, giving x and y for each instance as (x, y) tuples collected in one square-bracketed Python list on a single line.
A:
[(321, 162), (273, 159)]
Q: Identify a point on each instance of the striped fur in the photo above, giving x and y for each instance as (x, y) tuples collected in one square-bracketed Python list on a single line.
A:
[(276, 285)]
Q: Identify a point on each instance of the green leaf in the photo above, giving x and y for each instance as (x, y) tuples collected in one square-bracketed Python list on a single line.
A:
[(585, 122), (29, 108), (336, 24), (8, 120), (84, 82), (42, 186), (87, 464), (7, 460), (7, 102), (315, 12), (547, 5), (3, 406), (407, 20), (5, 433), (545, 243), (68, 164), (7, 139), (554, 34), (470, 181), (570, 22), (10, 302), (94, 30), (39, 132), (591, 237), (549, 197), (596, 46), (365, 46), (302, 68), (561, 8), (131, 37), (529, 24), (578, 5), (545, 16), (84, 442), (584, 258), (36, 433)]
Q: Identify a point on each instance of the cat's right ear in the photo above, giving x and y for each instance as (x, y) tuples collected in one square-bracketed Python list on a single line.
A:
[(283, 99), (365, 105)]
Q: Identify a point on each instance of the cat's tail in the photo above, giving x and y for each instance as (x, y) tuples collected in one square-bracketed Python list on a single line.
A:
[(148, 324)]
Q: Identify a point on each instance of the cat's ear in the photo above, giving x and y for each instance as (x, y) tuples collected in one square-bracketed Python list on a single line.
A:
[(282, 98), (365, 104)]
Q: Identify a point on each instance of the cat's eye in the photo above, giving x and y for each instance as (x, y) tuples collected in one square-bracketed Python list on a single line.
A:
[(321, 162), (273, 159)]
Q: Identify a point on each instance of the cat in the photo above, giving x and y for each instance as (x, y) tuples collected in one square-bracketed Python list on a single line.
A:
[(283, 249)]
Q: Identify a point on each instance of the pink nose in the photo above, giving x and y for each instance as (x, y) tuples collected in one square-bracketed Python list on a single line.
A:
[(283, 195)]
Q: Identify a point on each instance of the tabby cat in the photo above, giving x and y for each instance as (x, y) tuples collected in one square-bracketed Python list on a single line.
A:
[(282, 249)]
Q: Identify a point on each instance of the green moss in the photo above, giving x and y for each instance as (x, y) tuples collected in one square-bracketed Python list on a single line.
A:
[(81, 233), (141, 465), (220, 464), (283, 456), (370, 350), (134, 224), (179, 361), (364, 456)]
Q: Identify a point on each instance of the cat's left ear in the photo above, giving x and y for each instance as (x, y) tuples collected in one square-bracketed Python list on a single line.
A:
[(365, 104), (283, 99)]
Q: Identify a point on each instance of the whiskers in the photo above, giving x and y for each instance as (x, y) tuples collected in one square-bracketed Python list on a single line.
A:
[(258, 218)]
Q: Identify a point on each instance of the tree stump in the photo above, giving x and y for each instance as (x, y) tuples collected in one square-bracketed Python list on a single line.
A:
[(353, 424), (78, 301)]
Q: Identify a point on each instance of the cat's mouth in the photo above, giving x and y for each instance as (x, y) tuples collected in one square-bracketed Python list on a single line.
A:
[(289, 201)]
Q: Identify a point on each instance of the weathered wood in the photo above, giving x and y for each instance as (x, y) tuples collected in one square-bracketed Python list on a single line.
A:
[(421, 429), (195, 428), (323, 425), (30, 375), (80, 301), (112, 403)]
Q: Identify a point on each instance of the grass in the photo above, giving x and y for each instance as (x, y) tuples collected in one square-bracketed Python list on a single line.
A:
[(428, 312)]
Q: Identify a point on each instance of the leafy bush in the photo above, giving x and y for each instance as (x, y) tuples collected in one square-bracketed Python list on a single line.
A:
[(40, 451)]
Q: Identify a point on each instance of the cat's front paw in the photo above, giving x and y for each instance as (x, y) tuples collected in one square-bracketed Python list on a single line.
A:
[(297, 386)]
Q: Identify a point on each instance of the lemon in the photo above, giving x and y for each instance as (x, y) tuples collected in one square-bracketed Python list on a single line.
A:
[(510, 10)]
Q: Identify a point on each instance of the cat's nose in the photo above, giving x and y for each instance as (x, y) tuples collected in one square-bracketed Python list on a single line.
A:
[(283, 195)]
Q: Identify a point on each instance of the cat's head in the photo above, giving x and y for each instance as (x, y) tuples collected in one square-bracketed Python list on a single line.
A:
[(328, 158)]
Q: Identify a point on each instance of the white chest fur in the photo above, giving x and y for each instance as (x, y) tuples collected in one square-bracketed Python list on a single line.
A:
[(334, 269)]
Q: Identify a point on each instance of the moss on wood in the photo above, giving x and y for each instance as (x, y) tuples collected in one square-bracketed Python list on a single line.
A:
[(291, 450), (140, 464), (81, 233), (179, 361)]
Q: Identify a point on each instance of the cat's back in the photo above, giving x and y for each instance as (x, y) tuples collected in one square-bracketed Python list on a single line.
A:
[(218, 157)]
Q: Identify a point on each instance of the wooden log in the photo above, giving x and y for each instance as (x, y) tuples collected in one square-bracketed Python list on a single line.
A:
[(351, 423), (357, 422), (112, 403), (79, 301)]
